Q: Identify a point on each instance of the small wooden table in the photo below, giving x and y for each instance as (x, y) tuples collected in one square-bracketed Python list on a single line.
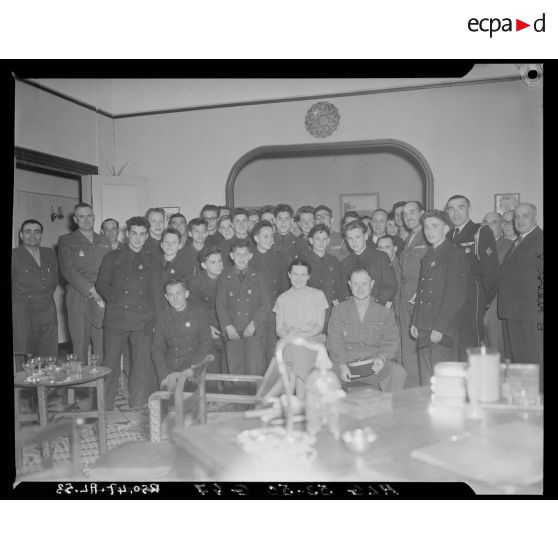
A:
[(87, 379), (413, 424)]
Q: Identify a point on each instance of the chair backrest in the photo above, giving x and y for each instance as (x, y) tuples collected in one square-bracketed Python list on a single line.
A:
[(47, 433), (196, 372)]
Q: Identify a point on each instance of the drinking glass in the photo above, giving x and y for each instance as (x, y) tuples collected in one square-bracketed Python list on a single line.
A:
[(39, 360), (94, 360), (50, 360), (523, 380), (28, 368), (71, 357)]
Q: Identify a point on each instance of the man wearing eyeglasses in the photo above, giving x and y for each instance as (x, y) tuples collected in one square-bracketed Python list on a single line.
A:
[(210, 214), (337, 245)]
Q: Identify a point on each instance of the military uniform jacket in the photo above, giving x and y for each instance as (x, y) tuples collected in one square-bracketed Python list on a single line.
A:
[(409, 260), (442, 289), (152, 247), (377, 262), (337, 246), (190, 256), (289, 244), (129, 283), (180, 339), (326, 275), (273, 266), (80, 259), (349, 339), (482, 256), (521, 285), (29, 281), (203, 293), (396, 266), (177, 268), (239, 304)]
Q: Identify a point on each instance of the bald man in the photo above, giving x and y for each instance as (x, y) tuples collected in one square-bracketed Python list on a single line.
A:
[(493, 328), (520, 295)]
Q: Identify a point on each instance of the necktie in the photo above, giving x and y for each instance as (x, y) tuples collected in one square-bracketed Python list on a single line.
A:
[(241, 277), (517, 241), (455, 233)]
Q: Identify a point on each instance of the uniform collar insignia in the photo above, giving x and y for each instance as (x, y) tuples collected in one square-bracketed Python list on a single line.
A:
[(140, 266)]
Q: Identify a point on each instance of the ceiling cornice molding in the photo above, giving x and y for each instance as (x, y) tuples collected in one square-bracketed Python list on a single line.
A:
[(398, 89)]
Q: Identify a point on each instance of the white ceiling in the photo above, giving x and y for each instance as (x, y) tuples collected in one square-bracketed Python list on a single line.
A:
[(124, 96)]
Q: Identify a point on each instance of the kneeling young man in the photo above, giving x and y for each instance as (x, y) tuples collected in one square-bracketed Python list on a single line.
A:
[(182, 335), (362, 338)]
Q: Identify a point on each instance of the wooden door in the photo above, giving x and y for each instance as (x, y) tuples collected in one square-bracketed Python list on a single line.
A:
[(119, 197)]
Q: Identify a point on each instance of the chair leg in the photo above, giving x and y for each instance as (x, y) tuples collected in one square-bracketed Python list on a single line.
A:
[(154, 405)]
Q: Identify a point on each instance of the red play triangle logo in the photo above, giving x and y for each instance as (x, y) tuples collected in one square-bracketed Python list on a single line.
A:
[(519, 25)]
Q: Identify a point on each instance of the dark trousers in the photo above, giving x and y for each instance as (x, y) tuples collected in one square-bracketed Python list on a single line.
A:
[(82, 331), (35, 327), (525, 341), (409, 351), (471, 323), (246, 356), (431, 354), (142, 380)]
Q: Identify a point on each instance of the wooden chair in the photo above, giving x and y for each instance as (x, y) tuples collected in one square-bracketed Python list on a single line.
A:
[(263, 385), (48, 433), (153, 460)]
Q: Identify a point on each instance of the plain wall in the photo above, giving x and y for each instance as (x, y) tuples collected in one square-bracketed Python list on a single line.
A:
[(319, 180), (50, 124), (479, 140)]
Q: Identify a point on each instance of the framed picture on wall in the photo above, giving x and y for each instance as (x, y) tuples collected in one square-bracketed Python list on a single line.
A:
[(505, 202), (364, 204), (168, 212)]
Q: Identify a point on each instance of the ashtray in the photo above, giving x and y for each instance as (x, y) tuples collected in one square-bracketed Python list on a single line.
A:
[(358, 440)]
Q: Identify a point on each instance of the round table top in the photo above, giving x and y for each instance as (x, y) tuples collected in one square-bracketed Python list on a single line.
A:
[(86, 376)]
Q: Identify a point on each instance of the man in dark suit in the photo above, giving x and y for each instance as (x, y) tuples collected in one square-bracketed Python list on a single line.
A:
[(442, 291), (129, 283), (273, 265), (242, 306), (156, 218), (80, 254), (520, 297), (479, 246), (369, 257), (203, 293), (34, 279), (493, 328), (409, 259), (181, 336)]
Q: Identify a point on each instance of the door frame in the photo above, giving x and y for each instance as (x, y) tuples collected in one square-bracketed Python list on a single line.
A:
[(397, 147)]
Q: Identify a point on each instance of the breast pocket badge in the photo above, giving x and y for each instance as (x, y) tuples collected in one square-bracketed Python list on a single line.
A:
[(81, 253), (432, 264), (140, 266), (249, 291), (187, 324), (172, 271)]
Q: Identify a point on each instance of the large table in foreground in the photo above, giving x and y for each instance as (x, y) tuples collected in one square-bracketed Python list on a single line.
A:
[(499, 453)]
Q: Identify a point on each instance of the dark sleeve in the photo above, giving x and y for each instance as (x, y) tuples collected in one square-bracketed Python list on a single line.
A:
[(388, 282), (340, 284), (417, 298), (69, 270), (104, 279), (158, 295), (265, 302), (206, 342), (222, 304), (344, 290), (159, 348), (283, 276), (455, 290), (488, 255)]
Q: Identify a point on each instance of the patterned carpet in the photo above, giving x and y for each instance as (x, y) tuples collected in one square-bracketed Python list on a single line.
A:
[(123, 425)]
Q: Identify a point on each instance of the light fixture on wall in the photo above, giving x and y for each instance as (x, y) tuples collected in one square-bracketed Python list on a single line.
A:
[(531, 74), (54, 215)]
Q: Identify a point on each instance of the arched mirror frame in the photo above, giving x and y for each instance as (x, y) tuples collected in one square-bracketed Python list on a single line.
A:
[(336, 148)]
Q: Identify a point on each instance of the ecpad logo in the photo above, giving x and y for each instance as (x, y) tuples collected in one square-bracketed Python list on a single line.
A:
[(493, 25)]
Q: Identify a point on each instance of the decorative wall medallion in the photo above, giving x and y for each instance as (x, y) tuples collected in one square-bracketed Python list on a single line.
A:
[(322, 119)]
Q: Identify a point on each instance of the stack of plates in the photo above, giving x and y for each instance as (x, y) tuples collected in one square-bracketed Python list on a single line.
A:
[(449, 383)]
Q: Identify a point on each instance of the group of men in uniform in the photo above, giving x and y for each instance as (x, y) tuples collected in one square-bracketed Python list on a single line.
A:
[(170, 295)]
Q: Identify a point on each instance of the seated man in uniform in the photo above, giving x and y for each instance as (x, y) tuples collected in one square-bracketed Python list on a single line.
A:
[(362, 338), (182, 336)]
